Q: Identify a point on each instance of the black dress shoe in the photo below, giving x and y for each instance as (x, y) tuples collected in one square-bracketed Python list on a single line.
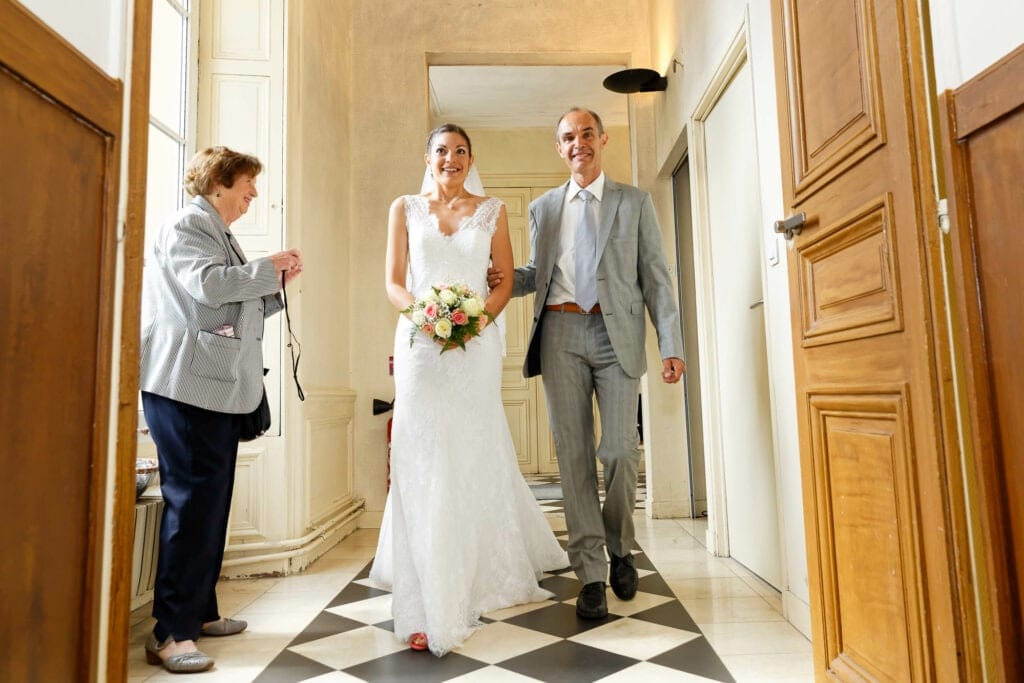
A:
[(591, 604), (624, 578)]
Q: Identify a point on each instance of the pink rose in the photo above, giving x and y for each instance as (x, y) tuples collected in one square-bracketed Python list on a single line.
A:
[(430, 310), (460, 317), (428, 328)]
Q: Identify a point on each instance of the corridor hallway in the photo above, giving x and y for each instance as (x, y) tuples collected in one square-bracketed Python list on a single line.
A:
[(695, 618)]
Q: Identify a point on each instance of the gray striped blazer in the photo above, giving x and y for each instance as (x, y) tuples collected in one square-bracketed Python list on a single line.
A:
[(195, 280)]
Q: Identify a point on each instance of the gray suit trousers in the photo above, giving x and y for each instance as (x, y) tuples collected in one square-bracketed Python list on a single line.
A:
[(579, 362)]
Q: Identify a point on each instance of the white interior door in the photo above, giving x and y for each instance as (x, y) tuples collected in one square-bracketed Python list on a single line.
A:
[(736, 294)]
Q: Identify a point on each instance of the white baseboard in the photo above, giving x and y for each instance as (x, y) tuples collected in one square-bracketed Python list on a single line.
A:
[(371, 519), (294, 558), (668, 509), (797, 612)]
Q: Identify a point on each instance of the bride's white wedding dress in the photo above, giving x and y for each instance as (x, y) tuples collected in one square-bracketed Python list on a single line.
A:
[(462, 535)]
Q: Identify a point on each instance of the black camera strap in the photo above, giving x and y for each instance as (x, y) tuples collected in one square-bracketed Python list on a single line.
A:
[(294, 347)]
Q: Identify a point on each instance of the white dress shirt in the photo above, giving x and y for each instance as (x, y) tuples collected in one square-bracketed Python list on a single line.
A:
[(563, 278)]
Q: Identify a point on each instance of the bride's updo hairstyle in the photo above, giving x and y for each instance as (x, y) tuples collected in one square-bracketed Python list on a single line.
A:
[(449, 128)]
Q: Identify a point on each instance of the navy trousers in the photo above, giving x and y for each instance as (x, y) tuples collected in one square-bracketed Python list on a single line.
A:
[(197, 449)]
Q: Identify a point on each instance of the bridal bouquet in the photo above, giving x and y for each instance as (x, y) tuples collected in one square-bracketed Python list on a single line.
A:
[(448, 313)]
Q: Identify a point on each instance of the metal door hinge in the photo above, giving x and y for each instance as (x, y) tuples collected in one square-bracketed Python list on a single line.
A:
[(944, 216)]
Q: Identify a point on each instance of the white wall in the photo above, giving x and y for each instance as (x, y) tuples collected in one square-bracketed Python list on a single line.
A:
[(970, 35), (698, 34), (94, 27)]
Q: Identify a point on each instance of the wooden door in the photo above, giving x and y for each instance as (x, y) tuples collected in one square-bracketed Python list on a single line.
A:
[(518, 393), (855, 156), (983, 151), (61, 123)]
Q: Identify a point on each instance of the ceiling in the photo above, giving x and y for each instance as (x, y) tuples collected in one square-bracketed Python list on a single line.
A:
[(521, 96)]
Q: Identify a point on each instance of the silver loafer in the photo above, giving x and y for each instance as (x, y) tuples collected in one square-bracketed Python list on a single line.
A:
[(224, 626), (184, 663)]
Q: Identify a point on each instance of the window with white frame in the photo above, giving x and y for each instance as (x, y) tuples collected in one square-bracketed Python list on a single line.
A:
[(171, 109), (172, 97)]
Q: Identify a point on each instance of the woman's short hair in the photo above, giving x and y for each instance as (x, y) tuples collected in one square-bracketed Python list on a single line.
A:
[(449, 128), (218, 165)]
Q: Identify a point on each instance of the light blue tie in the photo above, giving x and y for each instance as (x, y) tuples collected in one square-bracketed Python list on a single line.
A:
[(586, 254)]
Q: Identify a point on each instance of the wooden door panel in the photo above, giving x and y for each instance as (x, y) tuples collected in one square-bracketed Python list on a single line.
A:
[(49, 483), (848, 280), (983, 145), (834, 99), (874, 492), (864, 485), (518, 394), (60, 156)]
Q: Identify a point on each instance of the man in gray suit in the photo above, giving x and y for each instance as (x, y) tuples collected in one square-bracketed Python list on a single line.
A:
[(596, 263)]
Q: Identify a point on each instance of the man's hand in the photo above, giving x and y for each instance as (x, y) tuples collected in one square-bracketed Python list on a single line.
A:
[(494, 277), (672, 370)]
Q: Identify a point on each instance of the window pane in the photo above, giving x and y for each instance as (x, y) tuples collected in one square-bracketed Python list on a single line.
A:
[(167, 62), (163, 182)]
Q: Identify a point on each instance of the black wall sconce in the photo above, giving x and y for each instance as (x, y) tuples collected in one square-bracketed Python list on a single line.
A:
[(638, 80)]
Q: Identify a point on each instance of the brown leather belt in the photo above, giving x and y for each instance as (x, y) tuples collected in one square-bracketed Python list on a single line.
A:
[(572, 308)]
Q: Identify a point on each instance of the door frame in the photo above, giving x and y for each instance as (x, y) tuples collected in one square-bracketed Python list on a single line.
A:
[(736, 56), (134, 166)]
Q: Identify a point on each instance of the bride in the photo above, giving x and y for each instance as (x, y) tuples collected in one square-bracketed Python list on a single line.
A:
[(461, 535)]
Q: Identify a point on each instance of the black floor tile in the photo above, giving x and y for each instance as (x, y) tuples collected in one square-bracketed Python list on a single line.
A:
[(567, 662), (325, 624), (558, 620), (289, 667), (643, 562), (671, 614), (354, 592), (409, 665), (564, 587), (653, 583), (695, 657)]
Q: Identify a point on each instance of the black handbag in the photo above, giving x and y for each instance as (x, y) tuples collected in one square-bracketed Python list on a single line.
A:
[(255, 424)]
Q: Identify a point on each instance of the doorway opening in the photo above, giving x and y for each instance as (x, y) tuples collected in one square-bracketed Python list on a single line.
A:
[(687, 296)]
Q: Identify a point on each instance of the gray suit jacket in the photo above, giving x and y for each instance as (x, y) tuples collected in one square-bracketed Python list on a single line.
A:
[(631, 274), (195, 280)]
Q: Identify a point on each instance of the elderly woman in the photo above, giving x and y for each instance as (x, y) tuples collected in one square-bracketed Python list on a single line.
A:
[(201, 369)]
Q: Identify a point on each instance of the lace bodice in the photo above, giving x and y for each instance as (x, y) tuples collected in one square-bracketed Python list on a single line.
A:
[(436, 258)]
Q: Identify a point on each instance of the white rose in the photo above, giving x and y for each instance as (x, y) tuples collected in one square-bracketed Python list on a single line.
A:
[(443, 328), (448, 297), (418, 317), (429, 295), (472, 306)]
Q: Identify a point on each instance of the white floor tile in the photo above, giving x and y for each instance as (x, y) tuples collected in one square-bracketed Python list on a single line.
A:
[(351, 647), (711, 611), (785, 668), (369, 611), (498, 641), (516, 610), (634, 638), (653, 673), (711, 587), (492, 674), (756, 637)]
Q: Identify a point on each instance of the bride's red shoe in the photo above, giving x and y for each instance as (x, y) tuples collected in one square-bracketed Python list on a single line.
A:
[(418, 641)]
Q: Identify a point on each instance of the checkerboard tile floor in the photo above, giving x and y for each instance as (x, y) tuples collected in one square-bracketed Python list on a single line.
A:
[(649, 638)]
